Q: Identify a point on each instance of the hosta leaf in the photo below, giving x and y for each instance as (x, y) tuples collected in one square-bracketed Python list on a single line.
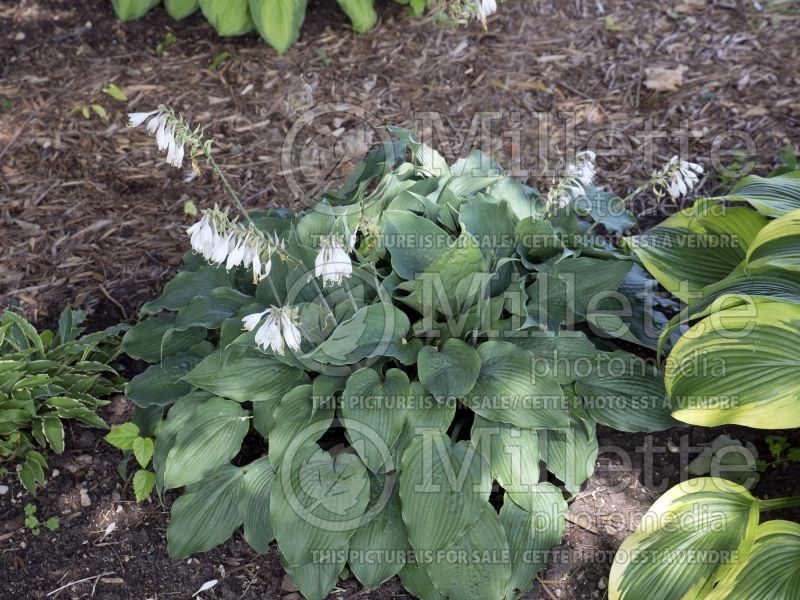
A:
[(777, 245), (570, 452), (211, 438), (373, 414), (256, 490), (244, 374), (450, 372), (128, 10), (423, 412), (278, 21), (533, 528), (187, 285), (227, 17), (443, 490), (361, 12), (414, 242), (416, 580), (296, 425), (508, 391), (53, 430), (210, 311), (707, 517), (771, 196), (143, 484), (180, 9), (739, 366), (697, 246), (207, 514), (565, 355), (153, 338), (162, 384)]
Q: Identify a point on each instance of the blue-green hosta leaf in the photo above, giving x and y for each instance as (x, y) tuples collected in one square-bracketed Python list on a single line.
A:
[(565, 355), (373, 411), (481, 575), (256, 490), (626, 393), (739, 366), (423, 412), (207, 514), (278, 21), (443, 490), (227, 17), (368, 333), (210, 438), (426, 157), (296, 424), (492, 224), (533, 528), (570, 452), (605, 208), (187, 285), (450, 372), (210, 311), (777, 245), (162, 384), (416, 581), (413, 241), (153, 338), (244, 374), (771, 569), (771, 196), (697, 246), (686, 542), (507, 390), (129, 10), (180, 9)]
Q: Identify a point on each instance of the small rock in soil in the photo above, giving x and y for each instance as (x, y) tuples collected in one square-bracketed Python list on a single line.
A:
[(3, 489), (85, 500)]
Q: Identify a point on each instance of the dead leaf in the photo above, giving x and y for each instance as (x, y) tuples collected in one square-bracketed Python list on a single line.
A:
[(660, 79)]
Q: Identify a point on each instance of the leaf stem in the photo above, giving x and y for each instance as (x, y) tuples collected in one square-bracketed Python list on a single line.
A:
[(790, 502)]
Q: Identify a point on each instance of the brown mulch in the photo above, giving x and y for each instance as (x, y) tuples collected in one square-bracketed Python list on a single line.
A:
[(91, 215)]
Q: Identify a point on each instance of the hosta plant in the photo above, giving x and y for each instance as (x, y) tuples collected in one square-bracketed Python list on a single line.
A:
[(46, 378), (702, 540), (369, 381), (735, 262)]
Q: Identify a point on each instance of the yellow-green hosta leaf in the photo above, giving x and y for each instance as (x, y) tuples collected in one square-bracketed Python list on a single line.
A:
[(770, 571), (227, 17), (777, 245), (361, 12), (179, 9), (689, 539), (739, 365), (697, 246), (771, 196), (129, 10), (278, 21)]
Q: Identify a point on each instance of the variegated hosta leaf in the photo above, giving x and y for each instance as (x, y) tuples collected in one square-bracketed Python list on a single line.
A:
[(689, 539), (739, 366), (771, 196), (777, 245), (697, 246), (771, 571)]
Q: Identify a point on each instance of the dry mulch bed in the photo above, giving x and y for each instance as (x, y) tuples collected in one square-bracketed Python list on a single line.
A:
[(91, 215)]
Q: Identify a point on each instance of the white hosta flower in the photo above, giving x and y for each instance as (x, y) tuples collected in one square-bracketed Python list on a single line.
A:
[(202, 235), (164, 130), (236, 256), (584, 169), (251, 321), (279, 329), (681, 177), (260, 270), (486, 8), (219, 249), (332, 262)]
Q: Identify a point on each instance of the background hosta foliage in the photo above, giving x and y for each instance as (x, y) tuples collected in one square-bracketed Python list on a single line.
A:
[(47, 378), (429, 389), (277, 21), (737, 268)]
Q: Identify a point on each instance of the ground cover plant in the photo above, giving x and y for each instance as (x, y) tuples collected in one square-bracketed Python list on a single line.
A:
[(408, 352), (46, 378)]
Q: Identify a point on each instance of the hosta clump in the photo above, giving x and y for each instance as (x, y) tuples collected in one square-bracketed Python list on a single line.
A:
[(423, 341), (47, 378)]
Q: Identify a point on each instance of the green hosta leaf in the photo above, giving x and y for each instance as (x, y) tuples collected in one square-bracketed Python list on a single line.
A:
[(361, 12), (424, 411), (278, 21), (512, 454), (368, 333), (153, 338), (212, 310), (414, 242), (481, 575), (570, 452), (256, 490), (162, 384), (227, 17), (143, 450), (187, 285), (707, 517), (207, 514), (536, 239), (128, 10), (416, 580), (443, 490), (605, 208), (770, 570), (143, 484), (450, 372), (180, 9), (296, 424), (425, 156), (565, 355), (373, 413), (491, 222), (122, 437), (626, 393), (697, 246), (211, 438), (53, 430), (777, 245), (244, 374), (533, 528), (739, 365), (771, 196), (508, 391)]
